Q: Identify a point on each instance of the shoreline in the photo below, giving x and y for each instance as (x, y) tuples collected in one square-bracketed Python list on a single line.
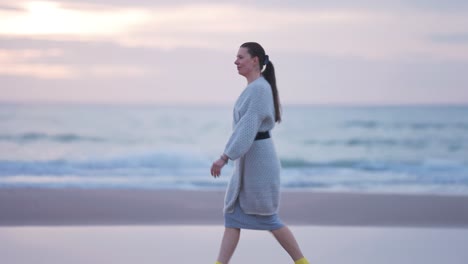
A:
[(73, 206)]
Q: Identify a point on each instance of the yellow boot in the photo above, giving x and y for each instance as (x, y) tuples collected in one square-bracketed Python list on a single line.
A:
[(301, 261)]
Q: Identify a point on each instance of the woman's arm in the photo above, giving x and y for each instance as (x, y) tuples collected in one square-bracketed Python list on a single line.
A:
[(247, 127)]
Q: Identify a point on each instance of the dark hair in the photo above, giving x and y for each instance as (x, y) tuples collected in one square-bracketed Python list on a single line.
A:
[(255, 50)]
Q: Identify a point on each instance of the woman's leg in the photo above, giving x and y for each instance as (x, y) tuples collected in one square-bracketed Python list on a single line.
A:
[(286, 238), (228, 245)]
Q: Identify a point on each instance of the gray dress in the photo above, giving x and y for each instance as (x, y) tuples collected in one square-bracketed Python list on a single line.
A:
[(253, 193)]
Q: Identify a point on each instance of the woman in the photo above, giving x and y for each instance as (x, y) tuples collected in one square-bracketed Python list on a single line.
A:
[(252, 196)]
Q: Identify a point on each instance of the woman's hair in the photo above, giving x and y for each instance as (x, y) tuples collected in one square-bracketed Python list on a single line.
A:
[(255, 50)]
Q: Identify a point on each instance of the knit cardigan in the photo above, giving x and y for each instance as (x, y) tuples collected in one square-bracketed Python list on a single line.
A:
[(255, 181)]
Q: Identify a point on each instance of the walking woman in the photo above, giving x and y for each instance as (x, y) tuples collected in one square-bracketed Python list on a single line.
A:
[(252, 196)]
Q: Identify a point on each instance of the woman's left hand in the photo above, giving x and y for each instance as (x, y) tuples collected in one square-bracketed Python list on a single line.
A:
[(216, 167)]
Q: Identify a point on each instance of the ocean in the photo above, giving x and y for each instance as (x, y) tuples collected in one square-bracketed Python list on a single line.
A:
[(381, 149)]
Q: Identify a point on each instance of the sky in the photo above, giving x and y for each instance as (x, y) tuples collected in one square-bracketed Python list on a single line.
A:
[(333, 52)]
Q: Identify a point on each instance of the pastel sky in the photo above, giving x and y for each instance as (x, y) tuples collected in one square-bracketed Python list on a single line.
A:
[(181, 51)]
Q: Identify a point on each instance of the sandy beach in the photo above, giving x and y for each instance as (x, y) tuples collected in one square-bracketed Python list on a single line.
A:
[(21, 207), (149, 226), (199, 244)]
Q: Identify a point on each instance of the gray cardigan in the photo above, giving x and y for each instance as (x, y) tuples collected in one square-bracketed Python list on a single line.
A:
[(255, 180)]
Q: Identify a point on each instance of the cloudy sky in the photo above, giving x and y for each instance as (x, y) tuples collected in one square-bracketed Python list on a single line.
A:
[(182, 52)]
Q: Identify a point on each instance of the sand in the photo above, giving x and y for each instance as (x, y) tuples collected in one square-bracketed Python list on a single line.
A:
[(199, 244), (147, 226), (152, 207)]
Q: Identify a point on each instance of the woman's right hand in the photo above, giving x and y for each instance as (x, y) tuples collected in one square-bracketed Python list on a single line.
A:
[(216, 167)]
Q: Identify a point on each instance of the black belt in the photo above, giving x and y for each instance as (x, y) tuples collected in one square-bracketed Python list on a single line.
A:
[(262, 135)]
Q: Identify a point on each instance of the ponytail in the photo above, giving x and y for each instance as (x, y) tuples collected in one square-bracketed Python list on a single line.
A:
[(269, 74), (255, 50)]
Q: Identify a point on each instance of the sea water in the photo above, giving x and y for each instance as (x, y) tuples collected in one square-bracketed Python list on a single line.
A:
[(391, 149)]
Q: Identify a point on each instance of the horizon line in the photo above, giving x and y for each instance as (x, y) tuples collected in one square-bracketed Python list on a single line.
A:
[(205, 104)]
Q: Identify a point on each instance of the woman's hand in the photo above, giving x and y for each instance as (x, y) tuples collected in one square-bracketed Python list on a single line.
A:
[(216, 167)]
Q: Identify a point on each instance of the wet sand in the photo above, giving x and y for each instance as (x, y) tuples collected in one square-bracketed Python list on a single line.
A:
[(146, 226), (20, 207)]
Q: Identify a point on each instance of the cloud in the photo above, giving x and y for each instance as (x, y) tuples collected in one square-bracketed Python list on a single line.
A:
[(366, 33), (354, 32), (433, 5), (115, 70), (30, 62), (178, 52), (453, 6), (42, 71), (198, 76), (51, 19), (16, 62), (6, 7), (457, 38), (26, 54)]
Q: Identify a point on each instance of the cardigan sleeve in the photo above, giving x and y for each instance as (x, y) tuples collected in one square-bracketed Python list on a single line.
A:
[(246, 128)]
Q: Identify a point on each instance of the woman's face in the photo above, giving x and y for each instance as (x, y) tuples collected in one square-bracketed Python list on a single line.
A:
[(244, 62)]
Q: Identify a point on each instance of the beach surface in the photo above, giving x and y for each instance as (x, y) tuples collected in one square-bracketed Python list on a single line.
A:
[(21, 207), (154, 226)]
